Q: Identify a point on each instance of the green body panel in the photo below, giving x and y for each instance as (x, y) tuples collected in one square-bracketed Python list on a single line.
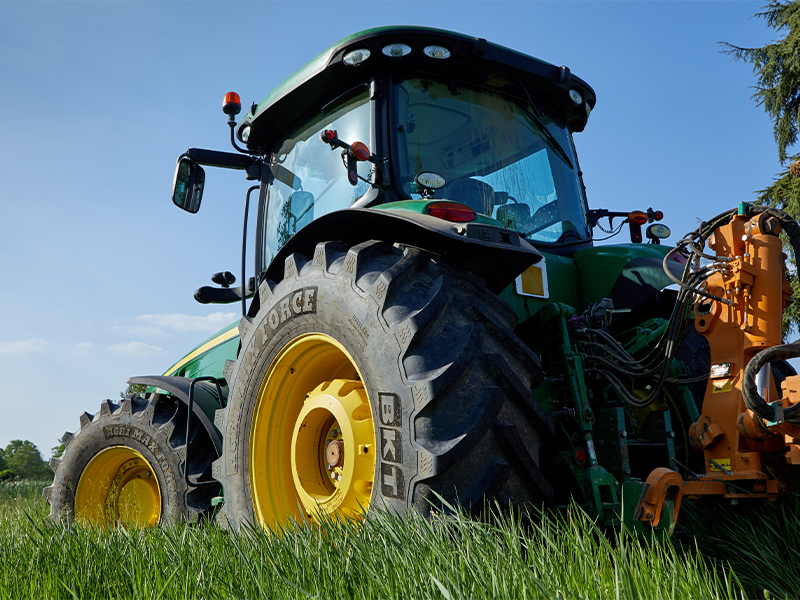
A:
[(589, 275), (208, 358), (600, 266), (212, 362)]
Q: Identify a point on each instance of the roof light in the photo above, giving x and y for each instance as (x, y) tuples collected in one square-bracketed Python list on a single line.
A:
[(658, 230), (588, 110), (245, 134), (396, 50), (638, 217), (231, 104), (576, 96), (437, 52), (430, 180), (454, 212), (356, 57)]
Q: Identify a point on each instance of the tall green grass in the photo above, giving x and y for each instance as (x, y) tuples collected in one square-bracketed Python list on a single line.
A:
[(759, 540), (388, 557)]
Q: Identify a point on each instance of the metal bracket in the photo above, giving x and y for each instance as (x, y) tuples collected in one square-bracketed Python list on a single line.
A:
[(186, 479), (777, 412), (662, 485)]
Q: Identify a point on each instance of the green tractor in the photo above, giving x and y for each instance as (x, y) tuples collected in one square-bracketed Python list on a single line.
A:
[(429, 322)]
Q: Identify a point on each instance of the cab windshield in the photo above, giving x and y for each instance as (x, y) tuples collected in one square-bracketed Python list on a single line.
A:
[(494, 156)]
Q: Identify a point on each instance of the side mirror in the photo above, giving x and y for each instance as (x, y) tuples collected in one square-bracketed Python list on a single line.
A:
[(187, 187)]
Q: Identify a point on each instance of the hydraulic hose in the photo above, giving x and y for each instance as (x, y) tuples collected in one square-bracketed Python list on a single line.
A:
[(752, 399), (789, 225)]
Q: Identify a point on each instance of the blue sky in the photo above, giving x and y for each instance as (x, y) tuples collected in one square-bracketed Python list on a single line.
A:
[(98, 99)]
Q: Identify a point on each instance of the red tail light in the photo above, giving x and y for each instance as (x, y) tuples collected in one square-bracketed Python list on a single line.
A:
[(451, 211)]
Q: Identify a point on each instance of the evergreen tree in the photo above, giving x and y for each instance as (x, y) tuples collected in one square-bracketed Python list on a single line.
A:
[(777, 70)]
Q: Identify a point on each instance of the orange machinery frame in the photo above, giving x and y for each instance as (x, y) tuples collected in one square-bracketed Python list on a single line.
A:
[(744, 456)]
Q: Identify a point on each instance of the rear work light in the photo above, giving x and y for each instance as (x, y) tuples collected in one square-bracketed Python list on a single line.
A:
[(397, 50), (356, 57), (437, 52), (451, 211)]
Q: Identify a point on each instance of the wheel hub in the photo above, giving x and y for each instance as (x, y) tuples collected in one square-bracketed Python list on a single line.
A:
[(332, 449)]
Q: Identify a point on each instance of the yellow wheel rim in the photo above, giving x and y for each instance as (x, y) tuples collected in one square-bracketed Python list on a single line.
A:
[(118, 486), (312, 441)]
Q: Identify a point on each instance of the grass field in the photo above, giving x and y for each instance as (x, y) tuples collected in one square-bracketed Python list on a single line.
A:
[(557, 557)]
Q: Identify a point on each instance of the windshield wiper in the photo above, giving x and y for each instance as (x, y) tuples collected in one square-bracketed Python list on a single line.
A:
[(549, 138)]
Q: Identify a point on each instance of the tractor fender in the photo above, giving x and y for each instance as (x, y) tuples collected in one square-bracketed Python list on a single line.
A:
[(205, 400), (494, 254)]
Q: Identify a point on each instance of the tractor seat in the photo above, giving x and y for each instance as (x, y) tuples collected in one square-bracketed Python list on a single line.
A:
[(479, 196)]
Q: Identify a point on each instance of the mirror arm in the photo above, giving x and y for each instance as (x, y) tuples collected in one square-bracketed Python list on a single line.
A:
[(232, 124), (226, 160)]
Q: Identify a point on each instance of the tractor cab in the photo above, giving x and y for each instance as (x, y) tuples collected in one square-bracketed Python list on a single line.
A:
[(439, 116)]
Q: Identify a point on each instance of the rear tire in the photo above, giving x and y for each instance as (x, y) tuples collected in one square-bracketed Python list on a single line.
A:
[(445, 381), (125, 465)]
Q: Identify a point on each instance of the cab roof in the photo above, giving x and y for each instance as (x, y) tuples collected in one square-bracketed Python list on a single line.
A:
[(471, 59)]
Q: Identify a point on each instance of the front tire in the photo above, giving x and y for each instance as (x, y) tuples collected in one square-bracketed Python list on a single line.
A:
[(125, 466), (378, 376)]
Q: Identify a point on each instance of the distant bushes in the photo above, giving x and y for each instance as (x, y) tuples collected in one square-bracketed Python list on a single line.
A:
[(21, 458)]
